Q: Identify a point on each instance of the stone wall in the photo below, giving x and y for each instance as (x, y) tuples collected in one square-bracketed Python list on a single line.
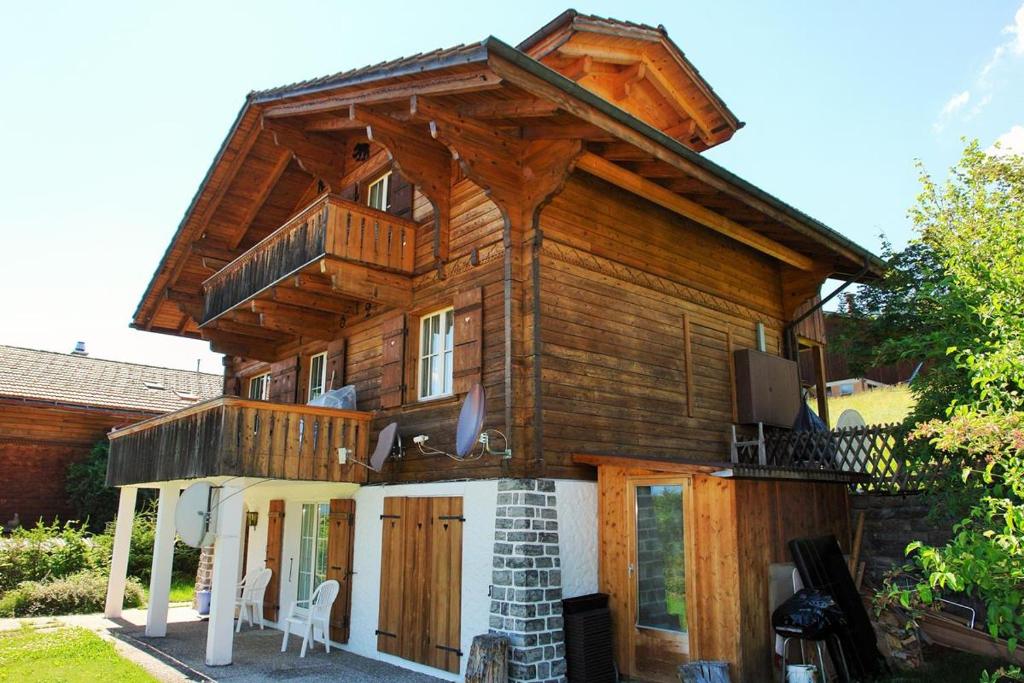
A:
[(526, 590), (890, 523), (204, 573)]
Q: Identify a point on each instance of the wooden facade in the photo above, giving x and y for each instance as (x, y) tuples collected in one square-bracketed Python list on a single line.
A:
[(600, 274)]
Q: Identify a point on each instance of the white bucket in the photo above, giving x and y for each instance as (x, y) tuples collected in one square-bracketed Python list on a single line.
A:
[(801, 673)]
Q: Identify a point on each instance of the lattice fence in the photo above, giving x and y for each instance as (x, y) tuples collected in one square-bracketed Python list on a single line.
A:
[(879, 451)]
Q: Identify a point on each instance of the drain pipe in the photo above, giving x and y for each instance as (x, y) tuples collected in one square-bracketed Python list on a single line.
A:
[(788, 334)]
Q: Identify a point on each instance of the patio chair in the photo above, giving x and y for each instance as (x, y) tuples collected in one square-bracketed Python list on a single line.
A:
[(313, 617), (250, 598)]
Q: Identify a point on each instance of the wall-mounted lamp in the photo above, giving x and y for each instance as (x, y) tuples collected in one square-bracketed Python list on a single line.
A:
[(252, 518)]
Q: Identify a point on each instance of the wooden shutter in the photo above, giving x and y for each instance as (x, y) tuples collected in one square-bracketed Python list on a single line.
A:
[(335, 365), (392, 380), (446, 583), (421, 581), (400, 199), (340, 536), (275, 541), (392, 562), (468, 364), (284, 377)]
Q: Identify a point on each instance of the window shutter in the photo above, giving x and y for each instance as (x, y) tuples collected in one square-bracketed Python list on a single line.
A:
[(392, 381), (468, 363), (335, 365), (392, 560), (400, 201), (284, 377), (446, 583), (340, 536), (275, 538)]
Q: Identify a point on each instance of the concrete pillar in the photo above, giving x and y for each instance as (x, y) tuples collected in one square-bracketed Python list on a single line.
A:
[(220, 632), (119, 558), (163, 561)]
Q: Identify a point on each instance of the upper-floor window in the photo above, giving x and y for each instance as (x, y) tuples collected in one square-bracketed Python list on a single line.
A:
[(317, 375), (437, 337), (377, 193), (259, 387)]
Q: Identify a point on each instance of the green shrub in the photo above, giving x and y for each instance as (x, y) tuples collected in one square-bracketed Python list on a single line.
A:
[(79, 593), (46, 551), (94, 502)]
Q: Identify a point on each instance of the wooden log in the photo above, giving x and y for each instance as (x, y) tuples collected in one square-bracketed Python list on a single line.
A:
[(488, 660)]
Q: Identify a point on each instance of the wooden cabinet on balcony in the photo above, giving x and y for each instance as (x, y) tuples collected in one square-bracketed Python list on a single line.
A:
[(326, 262), (233, 437)]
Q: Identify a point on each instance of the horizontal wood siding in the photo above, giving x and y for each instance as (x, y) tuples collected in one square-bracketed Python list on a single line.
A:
[(618, 277), (232, 437)]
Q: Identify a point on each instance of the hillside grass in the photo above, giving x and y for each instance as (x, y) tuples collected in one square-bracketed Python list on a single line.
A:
[(67, 655), (877, 406)]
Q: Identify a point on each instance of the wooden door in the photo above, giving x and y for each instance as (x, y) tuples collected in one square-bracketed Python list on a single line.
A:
[(446, 583), (340, 537), (659, 577), (275, 540), (392, 563)]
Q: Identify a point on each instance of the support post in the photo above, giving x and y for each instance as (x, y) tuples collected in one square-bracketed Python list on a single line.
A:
[(221, 630), (163, 562), (119, 558)]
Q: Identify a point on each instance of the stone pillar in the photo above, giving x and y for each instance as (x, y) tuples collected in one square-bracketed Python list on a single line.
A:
[(204, 573), (526, 590), (119, 558)]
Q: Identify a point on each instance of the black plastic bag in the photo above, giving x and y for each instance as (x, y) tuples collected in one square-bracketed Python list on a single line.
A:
[(809, 614)]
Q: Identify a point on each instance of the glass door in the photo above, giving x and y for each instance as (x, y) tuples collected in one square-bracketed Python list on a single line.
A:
[(659, 576), (312, 548)]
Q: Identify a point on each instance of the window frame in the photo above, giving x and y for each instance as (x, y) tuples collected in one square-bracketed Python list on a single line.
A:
[(385, 180), (264, 379), (420, 356), (323, 375)]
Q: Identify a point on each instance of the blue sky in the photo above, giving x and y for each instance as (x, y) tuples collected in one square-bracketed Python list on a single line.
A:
[(111, 113)]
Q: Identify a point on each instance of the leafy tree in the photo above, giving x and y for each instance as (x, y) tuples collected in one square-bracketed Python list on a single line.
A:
[(94, 502)]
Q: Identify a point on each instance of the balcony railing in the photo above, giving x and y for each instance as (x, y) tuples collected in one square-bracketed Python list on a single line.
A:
[(330, 227), (229, 436)]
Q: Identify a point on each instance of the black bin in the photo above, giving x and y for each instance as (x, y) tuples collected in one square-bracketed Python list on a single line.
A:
[(588, 639)]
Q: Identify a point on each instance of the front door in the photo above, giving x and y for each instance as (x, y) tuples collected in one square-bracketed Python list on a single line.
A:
[(659, 577)]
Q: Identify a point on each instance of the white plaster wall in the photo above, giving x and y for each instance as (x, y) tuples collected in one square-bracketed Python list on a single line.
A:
[(478, 502), (577, 536)]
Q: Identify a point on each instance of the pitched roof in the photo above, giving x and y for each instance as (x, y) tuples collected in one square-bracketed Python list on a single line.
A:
[(81, 380)]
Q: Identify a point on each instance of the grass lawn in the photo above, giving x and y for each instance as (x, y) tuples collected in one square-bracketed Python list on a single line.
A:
[(182, 589), (68, 655), (878, 406)]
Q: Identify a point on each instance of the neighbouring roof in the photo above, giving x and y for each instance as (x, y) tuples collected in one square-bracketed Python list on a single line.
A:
[(64, 378)]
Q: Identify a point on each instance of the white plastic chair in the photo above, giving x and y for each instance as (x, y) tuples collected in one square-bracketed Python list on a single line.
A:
[(250, 599), (314, 619)]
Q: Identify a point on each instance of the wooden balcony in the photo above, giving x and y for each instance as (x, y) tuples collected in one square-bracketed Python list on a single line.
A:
[(230, 436), (359, 253)]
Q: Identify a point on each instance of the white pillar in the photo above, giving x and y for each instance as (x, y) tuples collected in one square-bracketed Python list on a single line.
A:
[(221, 630), (163, 561), (119, 558)]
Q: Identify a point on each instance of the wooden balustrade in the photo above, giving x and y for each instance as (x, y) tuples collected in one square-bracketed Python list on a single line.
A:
[(329, 227), (229, 436)]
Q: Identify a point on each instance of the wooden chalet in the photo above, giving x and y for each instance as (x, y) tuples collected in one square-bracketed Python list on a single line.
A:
[(539, 220)]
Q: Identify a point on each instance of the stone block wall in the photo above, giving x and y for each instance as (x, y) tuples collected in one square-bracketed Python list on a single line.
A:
[(890, 523), (526, 590), (204, 573)]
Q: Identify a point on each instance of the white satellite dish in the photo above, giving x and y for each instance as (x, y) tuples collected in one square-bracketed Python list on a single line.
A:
[(848, 447), (195, 518), (389, 444), (469, 431)]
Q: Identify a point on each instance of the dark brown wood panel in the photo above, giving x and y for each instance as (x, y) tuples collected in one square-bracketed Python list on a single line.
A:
[(468, 352), (275, 542), (340, 546)]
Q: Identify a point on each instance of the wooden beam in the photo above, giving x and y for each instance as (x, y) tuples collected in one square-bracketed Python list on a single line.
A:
[(297, 327), (311, 300), (680, 101), (579, 68), (217, 250), (335, 123), (314, 155), (367, 284), (473, 81), (627, 180), (510, 109), (213, 264)]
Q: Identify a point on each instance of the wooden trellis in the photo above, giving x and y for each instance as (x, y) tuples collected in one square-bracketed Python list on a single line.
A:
[(879, 451)]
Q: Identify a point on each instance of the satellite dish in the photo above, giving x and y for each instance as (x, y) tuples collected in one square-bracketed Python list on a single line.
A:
[(387, 442), (849, 419), (471, 419), (195, 515), (849, 446)]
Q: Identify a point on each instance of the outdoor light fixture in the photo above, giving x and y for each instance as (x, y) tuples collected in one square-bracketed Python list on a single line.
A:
[(252, 518)]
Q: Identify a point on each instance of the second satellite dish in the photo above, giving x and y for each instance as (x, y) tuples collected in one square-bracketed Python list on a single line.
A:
[(195, 516), (387, 444)]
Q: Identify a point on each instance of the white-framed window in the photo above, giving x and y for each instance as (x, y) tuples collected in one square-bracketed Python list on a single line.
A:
[(259, 387), (377, 193), (317, 375), (313, 534), (437, 341)]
